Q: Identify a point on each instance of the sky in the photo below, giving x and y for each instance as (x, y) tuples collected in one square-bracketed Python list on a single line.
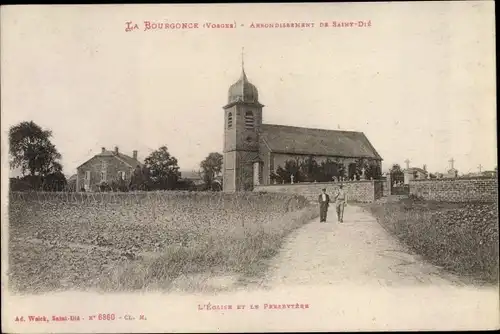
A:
[(419, 82)]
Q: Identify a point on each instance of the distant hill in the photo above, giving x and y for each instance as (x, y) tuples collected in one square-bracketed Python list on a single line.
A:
[(190, 175)]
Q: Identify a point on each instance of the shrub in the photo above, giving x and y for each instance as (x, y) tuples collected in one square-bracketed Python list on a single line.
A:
[(26, 183), (184, 184), (104, 186), (119, 185), (55, 182)]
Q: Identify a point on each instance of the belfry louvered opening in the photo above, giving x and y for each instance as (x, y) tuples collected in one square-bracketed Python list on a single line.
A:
[(230, 120), (249, 120)]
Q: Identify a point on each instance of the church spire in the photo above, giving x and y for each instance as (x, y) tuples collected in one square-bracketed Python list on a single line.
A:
[(243, 74), (243, 90), (243, 58)]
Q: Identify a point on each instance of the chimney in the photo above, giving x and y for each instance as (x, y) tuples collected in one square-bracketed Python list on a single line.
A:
[(103, 149), (116, 149), (424, 168), (134, 154)]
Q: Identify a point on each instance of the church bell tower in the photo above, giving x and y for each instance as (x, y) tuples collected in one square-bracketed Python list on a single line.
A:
[(242, 125)]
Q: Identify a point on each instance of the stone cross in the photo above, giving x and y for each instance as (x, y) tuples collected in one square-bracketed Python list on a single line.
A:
[(407, 162), (291, 179), (451, 161)]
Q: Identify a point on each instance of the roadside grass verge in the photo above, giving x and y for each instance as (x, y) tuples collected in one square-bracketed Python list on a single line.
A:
[(462, 238)]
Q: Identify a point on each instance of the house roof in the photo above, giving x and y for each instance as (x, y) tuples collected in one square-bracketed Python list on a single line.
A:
[(416, 169), (123, 157), (297, 140)]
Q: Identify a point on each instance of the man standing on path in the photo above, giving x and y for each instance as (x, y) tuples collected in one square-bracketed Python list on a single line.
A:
[(340, 203), (324, 202)]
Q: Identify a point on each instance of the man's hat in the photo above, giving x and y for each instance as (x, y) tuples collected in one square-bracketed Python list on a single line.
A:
[(324, 189)]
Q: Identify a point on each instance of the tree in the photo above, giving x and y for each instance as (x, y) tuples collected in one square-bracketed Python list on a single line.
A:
[(55, 181), (217, 185), (373, 170), (309, 170), (32, 150), (211, 167), (283, 174), (396, 173), (140, 179), (119, 184), (163, 169), (331, 169)]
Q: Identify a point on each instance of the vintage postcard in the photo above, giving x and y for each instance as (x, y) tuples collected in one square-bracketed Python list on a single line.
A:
[(249, 167)]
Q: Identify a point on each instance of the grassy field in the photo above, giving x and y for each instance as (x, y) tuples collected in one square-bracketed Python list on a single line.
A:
[(143, 241), (460, 237)]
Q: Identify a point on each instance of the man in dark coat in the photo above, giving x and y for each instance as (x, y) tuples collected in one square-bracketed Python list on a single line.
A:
[(324, 201)]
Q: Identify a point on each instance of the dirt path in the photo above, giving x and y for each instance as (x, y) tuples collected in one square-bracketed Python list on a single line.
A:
[(358, 251), (358, 277)]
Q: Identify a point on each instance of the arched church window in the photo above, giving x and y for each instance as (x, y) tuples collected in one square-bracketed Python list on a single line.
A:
[(249, 122), (230, 120)]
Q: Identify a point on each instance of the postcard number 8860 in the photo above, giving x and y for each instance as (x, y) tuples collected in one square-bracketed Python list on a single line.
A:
[(106, 316)]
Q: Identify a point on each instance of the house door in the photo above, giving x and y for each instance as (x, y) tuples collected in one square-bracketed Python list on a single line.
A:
[(256, 173), (86, 184)]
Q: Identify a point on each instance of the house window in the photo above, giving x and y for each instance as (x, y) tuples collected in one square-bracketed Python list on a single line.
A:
[(230, 120), (87, 175), (121, 175), (103, 166), (249, 120), (103, 176)]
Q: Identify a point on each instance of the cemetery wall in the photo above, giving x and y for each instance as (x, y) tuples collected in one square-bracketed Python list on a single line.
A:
[(361, 191), (456, 189)]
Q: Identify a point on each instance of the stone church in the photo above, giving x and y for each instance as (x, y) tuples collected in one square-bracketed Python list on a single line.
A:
[(253, 150)]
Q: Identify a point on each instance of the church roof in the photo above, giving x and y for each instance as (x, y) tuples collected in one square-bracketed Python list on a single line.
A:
[(297, 140), (243, 91)]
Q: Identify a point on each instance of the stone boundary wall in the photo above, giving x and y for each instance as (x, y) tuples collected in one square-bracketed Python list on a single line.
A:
[(360, 191), (456, 189)]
